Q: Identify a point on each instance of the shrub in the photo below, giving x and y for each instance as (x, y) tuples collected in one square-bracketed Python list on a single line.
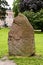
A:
[(36, 19)]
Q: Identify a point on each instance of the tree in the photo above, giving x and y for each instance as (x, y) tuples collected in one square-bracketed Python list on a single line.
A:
[(34, 5), (36, 19), (27, 5), (3, 8), (16, 7)]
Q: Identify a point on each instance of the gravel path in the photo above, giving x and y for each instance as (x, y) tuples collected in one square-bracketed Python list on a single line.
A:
[(4, 61)]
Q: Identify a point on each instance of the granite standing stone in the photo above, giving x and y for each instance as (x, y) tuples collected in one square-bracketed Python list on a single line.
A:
[(21, 37)]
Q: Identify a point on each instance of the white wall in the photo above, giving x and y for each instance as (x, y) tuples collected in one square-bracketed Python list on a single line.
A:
[(9, 18), (1, 23)]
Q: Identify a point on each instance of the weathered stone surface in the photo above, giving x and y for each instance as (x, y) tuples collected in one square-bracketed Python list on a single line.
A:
[(21, 37)]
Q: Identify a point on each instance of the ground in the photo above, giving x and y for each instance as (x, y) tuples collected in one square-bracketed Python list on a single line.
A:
[(35, 60), (3, 41), (4, 61)]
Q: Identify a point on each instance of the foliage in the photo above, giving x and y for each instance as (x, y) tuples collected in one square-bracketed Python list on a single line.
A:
[(16, 7), (3, 8), (36, 19), (26, 5), (34, 5)]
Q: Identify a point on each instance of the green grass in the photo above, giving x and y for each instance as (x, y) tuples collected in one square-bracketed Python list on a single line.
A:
[(36, 60), (3, 41), (39, 42)]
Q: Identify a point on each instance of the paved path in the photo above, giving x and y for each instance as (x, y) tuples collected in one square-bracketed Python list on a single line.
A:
[(6, 62)]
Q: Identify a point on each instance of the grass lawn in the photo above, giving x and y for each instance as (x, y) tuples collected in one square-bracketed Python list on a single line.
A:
[(3, 41), (36, 60)]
